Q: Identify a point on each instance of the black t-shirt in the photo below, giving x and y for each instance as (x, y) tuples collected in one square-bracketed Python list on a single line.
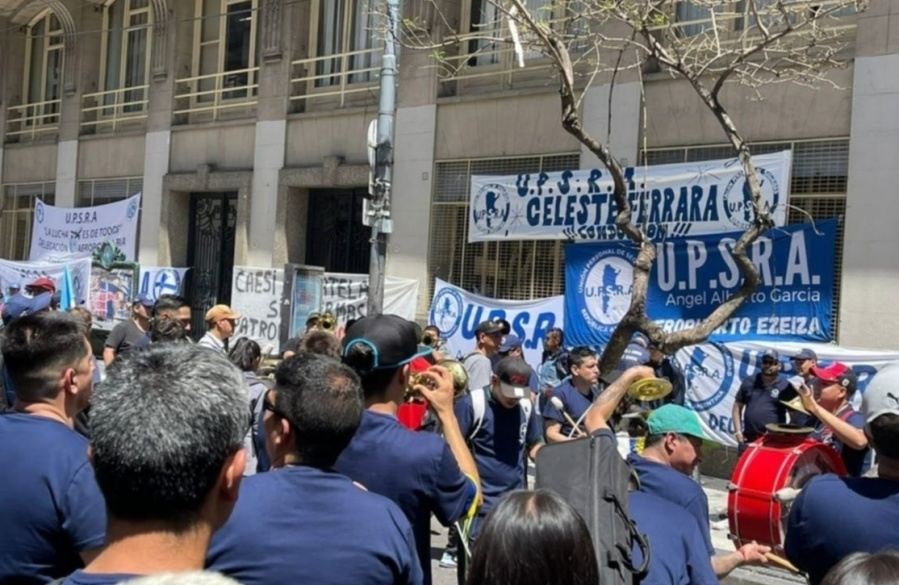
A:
[(762, 404), (124, 336)]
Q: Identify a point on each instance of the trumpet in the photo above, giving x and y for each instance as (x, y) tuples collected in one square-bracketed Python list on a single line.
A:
[(460, 380), (327, 322)]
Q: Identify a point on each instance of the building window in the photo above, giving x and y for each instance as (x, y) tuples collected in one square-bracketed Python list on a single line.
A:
[(504, 270), (17, 217), (228, 34), (348, 30), (43, 69), (126, 54), (103, 191)]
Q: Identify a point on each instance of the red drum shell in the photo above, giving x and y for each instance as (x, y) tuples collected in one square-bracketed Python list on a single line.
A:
[(771, 463)]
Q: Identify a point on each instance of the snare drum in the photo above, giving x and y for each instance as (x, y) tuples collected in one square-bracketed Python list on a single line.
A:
[(770, 464)]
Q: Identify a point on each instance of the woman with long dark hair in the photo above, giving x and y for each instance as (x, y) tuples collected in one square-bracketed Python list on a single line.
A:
[(247, 355), (527, 521)]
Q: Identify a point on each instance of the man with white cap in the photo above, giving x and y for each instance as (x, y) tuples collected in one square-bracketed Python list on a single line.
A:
[(221, 322), (502, 430), (836, 516)]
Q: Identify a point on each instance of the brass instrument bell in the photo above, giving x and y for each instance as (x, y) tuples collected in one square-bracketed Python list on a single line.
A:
[(327, 322), (460, 377)]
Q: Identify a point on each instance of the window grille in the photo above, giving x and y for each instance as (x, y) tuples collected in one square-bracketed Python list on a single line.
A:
[(17, 216)]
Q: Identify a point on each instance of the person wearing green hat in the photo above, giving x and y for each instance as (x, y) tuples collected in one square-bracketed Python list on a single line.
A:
[(673, 449)]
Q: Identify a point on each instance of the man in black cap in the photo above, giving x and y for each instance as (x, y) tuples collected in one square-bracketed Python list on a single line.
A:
[(489, 337), (422, 473), (805, 361), (762, 396)]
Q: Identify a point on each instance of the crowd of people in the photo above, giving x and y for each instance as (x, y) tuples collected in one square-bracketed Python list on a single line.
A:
[(185, 460)]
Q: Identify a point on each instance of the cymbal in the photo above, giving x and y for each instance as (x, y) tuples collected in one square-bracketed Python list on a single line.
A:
[(788, 429), (795, 404), (649, 389)]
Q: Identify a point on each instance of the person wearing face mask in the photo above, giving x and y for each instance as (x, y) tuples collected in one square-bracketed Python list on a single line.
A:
[(759, 401)]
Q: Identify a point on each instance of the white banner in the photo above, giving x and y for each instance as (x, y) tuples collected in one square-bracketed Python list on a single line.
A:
[(81, 230), (714, 372), (156, 281), (346, 296), (256, 294), (674, 201), (23, 273), (457, 313)]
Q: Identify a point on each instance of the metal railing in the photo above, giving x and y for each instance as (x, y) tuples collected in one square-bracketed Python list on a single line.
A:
[(110, 110), (337, 76), (208, 97), (28, 122)]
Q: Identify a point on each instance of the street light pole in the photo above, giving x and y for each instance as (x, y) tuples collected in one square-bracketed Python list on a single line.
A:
[(379, 206)]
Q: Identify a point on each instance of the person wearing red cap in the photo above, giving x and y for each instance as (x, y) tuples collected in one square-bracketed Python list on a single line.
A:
[(837, 423), (41, 285)]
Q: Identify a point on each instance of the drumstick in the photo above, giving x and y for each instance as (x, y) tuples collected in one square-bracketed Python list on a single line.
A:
[(783, 563), (786, 494), (560, 406)]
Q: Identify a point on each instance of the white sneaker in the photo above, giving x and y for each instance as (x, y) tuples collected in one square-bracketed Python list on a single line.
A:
[(448, 561)]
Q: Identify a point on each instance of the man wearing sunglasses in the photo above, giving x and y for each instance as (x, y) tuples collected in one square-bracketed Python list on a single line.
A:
[(758, 402), (303, 522)]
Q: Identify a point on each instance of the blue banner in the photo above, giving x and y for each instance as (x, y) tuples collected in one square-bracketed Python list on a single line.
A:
[(692, 277)]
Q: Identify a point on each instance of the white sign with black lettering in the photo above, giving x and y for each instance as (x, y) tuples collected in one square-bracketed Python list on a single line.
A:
[(256, 294)]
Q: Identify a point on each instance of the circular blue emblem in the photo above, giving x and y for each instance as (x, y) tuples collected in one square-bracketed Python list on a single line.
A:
[(132, 209), (446, 312), (738, 204), (710, 365), (604, 288), (490, 210), (166, 281), (39, 211)]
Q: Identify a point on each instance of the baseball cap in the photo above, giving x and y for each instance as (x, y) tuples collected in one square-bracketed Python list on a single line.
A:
[(392, 339), (15, 285), (514, 376), (881, 395), (672, 418), (42, 284), (510, 342), (806, 354), (837, 373), (145, 300), (19, 306), (488, 328), (772, 354), (313, 317), (221, 312)]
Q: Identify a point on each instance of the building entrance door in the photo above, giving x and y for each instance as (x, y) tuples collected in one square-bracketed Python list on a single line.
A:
[(336, 238), (210, 253)]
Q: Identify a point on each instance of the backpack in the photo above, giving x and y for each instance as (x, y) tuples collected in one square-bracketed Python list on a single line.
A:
[(479, 407), (591, 475)]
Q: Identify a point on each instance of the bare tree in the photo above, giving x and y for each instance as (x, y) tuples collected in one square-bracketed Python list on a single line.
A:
[(713, 43)]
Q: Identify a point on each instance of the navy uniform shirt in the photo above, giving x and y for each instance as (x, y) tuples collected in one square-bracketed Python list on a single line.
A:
[(500, 446), (82, 578), (836, 516), (576, 404), (762, 404), (50, 506), (670, 484), (678, 553), (857, 461), (306, 525), (417, 471)]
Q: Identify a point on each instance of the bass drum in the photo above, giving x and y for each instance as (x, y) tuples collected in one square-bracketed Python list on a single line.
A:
[(770, 464)]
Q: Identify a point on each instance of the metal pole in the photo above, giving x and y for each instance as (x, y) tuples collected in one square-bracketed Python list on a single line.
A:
[(381, 224)]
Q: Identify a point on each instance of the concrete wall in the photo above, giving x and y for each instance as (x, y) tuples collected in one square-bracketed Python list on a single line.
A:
[(27, 164), (225, 147), (108, 157), (312, 137)]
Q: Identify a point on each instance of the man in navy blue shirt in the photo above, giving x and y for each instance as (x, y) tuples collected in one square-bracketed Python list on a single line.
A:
[(673, 449), (422, 473), (836, 422), (174, 481), (303, 522), (51, 510), (836, 516), (507, 433), (759, 401), (576, 394)]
